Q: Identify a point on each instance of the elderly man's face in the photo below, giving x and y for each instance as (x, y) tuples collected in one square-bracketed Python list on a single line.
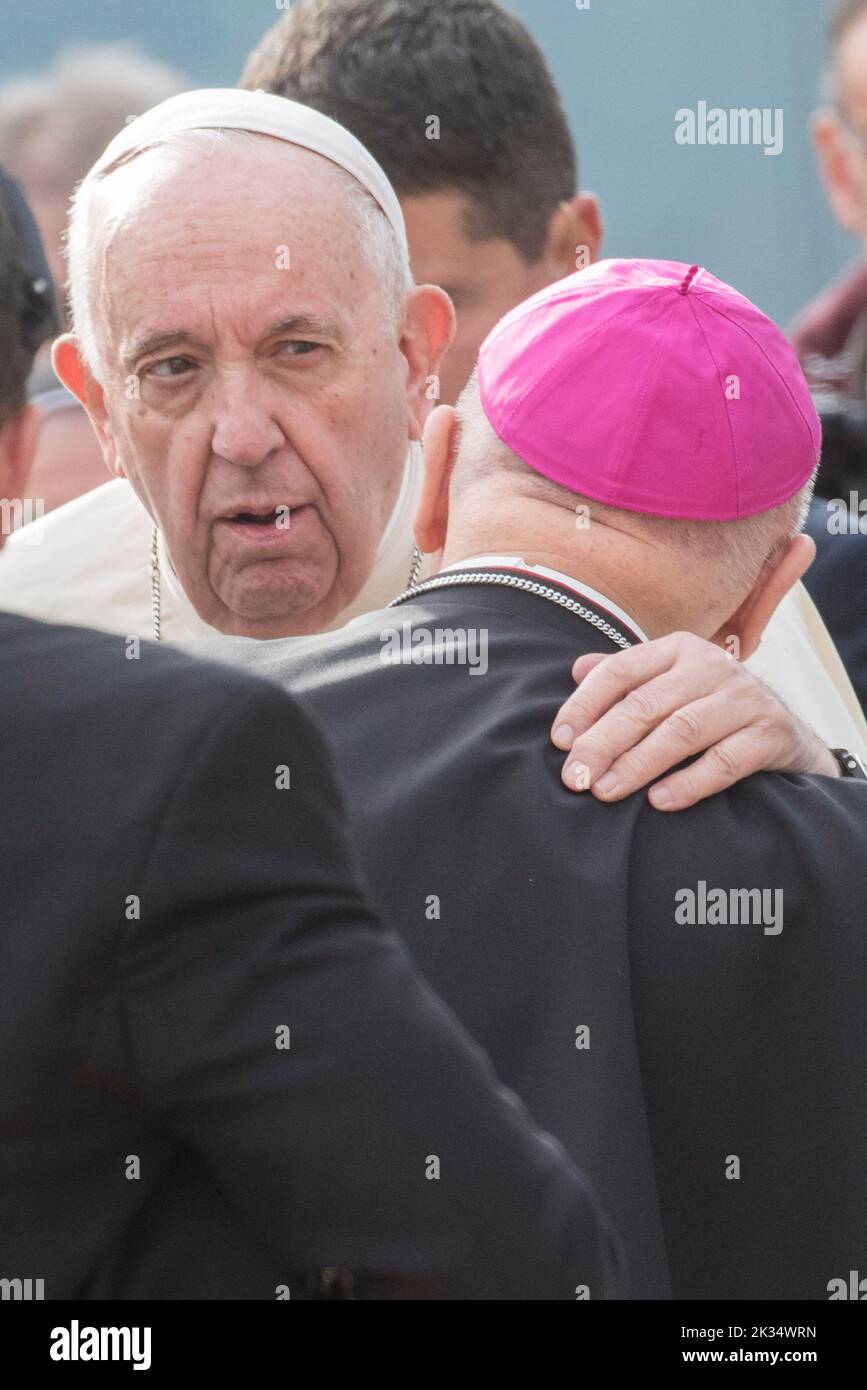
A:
[(257, 393)]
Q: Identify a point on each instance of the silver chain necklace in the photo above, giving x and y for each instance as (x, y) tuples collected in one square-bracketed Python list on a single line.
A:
[(514, 581), (156, 584), (156, 598)]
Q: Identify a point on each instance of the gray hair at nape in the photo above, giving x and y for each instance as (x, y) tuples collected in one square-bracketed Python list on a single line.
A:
[(376, 238), (733, 552)]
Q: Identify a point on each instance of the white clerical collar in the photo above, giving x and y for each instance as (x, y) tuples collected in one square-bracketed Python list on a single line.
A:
[(409, 487), (515, 562)]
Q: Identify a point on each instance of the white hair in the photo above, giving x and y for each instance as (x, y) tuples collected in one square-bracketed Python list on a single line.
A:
[(376, 238), (732, 552)]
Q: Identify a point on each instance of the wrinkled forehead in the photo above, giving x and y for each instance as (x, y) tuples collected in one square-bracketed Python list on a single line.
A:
[(243, 223)]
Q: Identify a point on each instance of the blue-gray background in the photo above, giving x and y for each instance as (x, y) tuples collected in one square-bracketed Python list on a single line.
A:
[(624, 67)]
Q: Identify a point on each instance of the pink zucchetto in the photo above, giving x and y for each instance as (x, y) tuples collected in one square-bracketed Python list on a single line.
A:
[(653, 387)]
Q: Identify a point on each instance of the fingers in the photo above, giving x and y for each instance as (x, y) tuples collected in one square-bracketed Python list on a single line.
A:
[(721, 766), (703, 724), (653, 728), (641, 712), (604, 682), (585, 664)]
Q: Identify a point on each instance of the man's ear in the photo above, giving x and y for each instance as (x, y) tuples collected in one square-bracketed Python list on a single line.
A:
[(574, 235), (70, 366), (835, 159), (17, 449), (441, 434), (769, 590), (428, 328)]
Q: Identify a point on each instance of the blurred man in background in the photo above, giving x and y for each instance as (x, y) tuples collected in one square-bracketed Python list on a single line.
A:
[(830, 336), (52, 128)]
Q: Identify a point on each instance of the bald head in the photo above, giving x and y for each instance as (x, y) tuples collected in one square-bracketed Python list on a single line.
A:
[(480, 497)]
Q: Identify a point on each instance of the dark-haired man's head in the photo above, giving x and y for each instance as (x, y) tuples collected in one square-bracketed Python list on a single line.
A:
[(455, 101), (26, 317), (840, 128)]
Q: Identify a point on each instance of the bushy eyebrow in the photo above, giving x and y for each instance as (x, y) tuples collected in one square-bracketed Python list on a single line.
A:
[(306, 323), (155, 342), (299, 323)]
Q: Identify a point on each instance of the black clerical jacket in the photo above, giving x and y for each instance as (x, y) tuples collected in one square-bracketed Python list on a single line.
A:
[(699, 1046), (221, 1076)]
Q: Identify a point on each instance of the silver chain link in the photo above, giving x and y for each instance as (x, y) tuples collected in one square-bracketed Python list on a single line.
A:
[(415, 568), (513, 581), (156, 603)]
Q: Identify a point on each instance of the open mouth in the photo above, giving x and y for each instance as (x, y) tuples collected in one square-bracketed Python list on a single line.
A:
[(270, 518), (265, 526)]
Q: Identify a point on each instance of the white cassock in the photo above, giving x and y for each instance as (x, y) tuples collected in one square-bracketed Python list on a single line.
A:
[(88, 563)]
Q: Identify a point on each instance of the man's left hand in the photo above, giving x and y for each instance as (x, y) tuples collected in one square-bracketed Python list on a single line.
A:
[(639, 713)]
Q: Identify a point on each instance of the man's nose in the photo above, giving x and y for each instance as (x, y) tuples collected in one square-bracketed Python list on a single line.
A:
[(245, 431)]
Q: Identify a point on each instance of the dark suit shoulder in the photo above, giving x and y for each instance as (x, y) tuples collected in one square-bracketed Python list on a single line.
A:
[(776, 826), (100, 734), (119, 689), (31, 649)]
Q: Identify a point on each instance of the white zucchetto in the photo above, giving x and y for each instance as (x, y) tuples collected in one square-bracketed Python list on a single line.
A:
[(261, 113)]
